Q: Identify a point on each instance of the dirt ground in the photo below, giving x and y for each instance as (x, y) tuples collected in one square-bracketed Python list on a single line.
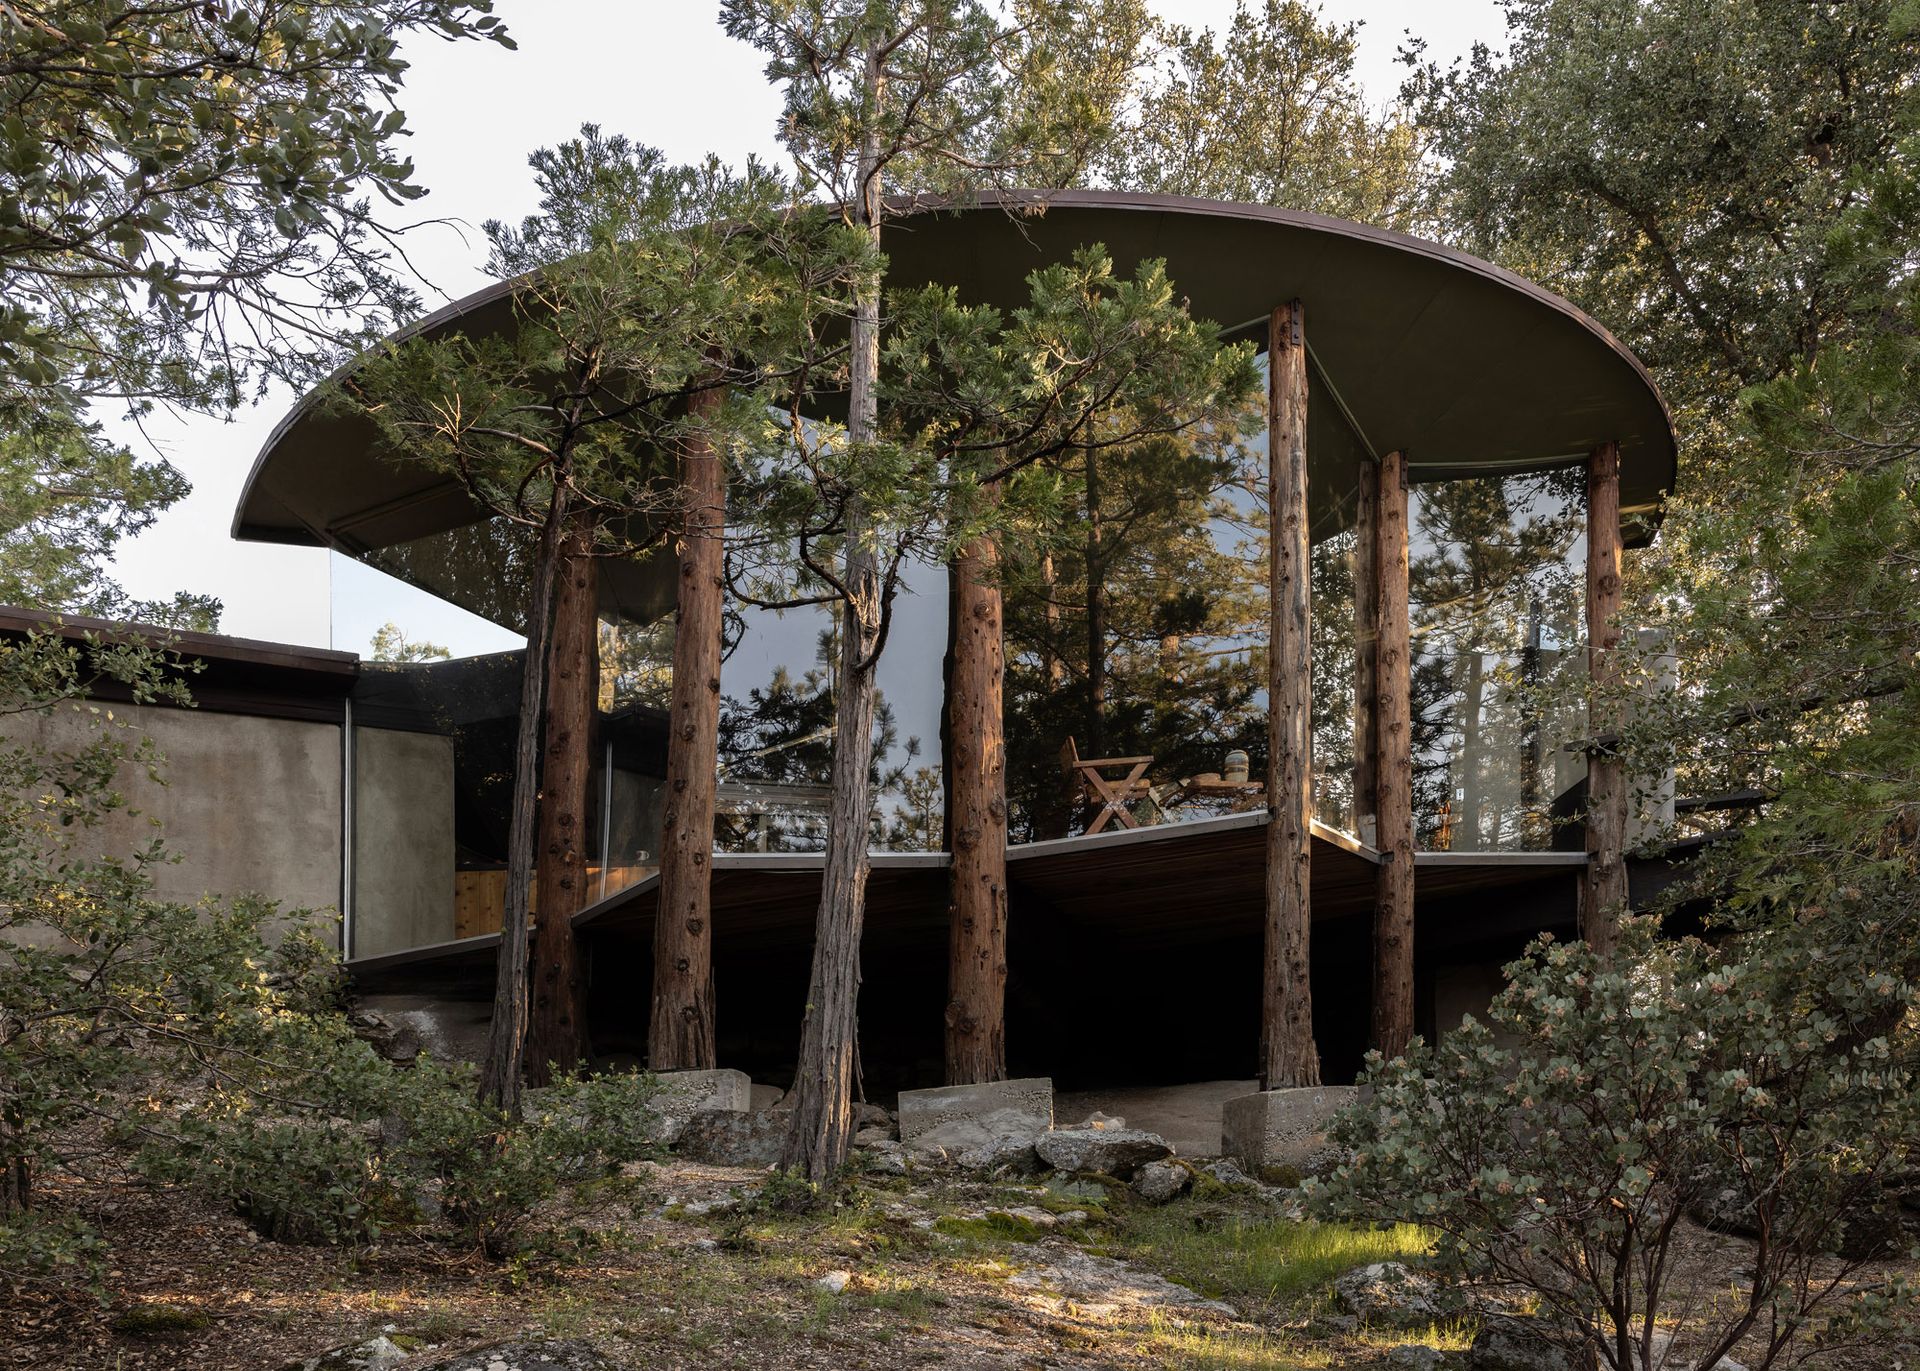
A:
[(641, 1267), (670, 1265)]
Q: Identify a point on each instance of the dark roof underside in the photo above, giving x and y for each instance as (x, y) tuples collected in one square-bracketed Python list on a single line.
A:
[(1465, 367)]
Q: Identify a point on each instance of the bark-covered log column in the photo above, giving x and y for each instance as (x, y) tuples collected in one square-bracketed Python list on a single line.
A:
[(680, 1036), (556, 1021), (1393, 731), (1287, 1053), (1603, 888), (977, 836)]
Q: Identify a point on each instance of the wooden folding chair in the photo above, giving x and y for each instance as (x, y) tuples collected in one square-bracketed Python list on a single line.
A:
[(1115, 794)]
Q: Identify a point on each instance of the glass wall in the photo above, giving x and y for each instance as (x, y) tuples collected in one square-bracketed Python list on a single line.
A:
[(1497, 572), (777, 724), (1141, 635)]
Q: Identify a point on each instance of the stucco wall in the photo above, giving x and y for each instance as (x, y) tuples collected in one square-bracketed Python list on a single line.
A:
[(250, 805), (402, 840)]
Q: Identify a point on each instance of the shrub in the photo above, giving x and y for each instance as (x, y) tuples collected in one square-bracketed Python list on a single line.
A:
[(1673, 1078)]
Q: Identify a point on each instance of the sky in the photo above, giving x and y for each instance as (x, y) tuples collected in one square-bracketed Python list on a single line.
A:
[(660, 71)]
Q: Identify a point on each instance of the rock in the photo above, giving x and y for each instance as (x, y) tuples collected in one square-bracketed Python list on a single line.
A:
[(872, 1137), (730, 1137), (1389, 1293), (999, 1108), (834, 1282), (686, 1093), (1283, 1127), (1158, 1182), (527, 1354), (1027, 1213), (1092, 1284), (886, 1159), (1412, 1357), (1112, 1152), (375, 1354), (1229, 1175), (1098, 1120), (1725, 1211), (1660, 1347), (867, 1115), (1509, 1344), (1009, 1153)]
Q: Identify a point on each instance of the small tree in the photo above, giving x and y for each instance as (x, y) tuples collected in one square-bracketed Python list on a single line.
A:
[(637, 292), (1669, 1080)]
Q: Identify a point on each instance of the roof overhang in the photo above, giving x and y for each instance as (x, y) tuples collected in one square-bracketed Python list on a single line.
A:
[(1465, 367)]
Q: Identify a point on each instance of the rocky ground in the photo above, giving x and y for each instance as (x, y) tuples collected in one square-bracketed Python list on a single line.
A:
[(1051, 1262)]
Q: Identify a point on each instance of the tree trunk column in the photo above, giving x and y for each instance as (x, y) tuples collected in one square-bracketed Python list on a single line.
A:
[(680, 1035), (1603, 887), (556, 1022), (1287, 1053), (977, 835), (1393, 731)]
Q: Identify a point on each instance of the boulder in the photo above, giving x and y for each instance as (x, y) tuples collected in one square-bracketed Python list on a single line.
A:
[(1510, 1344), (1158, 1182), (1414, 1357), (1110, 1151), (683, 1094), (1229, 1175), (1388, 1293), (732, 1137), (1009, 1152), (1283, 1127), (999, 1108), (885, 1159)]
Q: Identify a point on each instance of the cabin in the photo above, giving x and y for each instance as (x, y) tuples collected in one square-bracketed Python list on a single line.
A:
[(1407, 567)]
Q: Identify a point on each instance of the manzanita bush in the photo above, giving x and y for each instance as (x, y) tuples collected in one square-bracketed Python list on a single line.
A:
[(1564, 1145)]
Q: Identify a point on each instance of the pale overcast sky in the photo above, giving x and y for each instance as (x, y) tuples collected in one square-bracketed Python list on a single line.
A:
[(660, 71)]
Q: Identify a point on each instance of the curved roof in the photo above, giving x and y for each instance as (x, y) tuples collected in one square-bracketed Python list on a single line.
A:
[(1466, 367)]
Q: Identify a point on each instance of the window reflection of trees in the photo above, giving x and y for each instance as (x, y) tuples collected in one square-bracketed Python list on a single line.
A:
[(1497, 586), (1141, 631), (776, 766)]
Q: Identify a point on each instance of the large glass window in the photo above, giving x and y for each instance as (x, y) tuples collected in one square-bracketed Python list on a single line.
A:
[(1497, 572), (777, 724)]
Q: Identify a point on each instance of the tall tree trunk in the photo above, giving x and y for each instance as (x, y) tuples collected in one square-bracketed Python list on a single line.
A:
[(556, 1025), (1288, 1056), (1603, 890), (1393, 718), (1096, 740), (1366, 633), (822, 1114), (1534, 828), (1471, 732), (1056, 667), (977, 835), (681, 1034), (500, 1075)]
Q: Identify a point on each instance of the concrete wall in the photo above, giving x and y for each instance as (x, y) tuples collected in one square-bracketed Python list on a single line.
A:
[(402, 840), (250, 805)]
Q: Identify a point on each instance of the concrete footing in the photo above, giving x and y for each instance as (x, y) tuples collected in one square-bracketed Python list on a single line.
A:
[(1001, 1107), (1283, 1127), (686, 1093)]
